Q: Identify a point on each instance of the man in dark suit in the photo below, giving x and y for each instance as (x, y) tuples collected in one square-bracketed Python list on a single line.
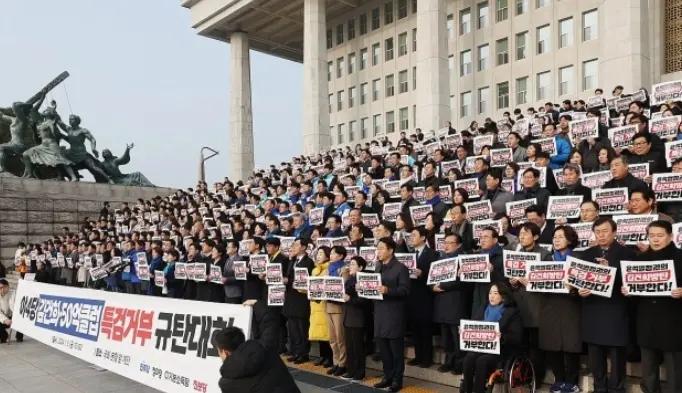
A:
[(536, 215), (605, 321), (407, 199), (296, 305), (389, 315), (420, 302), (572, 184)]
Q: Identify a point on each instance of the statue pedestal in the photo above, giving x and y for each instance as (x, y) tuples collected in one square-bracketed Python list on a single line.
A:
[(32, 210)]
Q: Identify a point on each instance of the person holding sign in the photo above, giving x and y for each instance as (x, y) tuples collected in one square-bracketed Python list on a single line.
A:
[(659, 318), (157, 264), (531, 188), (498, 308), (214, 255), (174, 287), (335, 316), (389, 315), (356, 311), (254, 287), (622, 176), (605, 321), (489, 245), (232, 287), (319, 328), (641, 152), (494, 192), (296, 306)]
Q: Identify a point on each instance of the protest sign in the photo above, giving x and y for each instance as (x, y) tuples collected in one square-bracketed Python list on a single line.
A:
[(516, 262), (667, 186), (333, 289), (316, 216), (240, 270), (244, 247), (547, 145), (276, 295), (391, 211), (594, 102), (649, 278), (580, 130), (546, 277), (640, 171), (508, 185), (300, 278), (622, 136), (409, 260), (470, 185), (521, 127), (665, 127), (419, 194), (474, 268), (216, 275), (445, 193), (501, 157), (226, 231), (611, 200), (598, 279), (632, 227), (596, 179), (181, 270), (444, 270), (478, 226), (258, 263), (666, 91), (419, 213), (141, 258), (559, 177), (516, 210), (446, 166), (585, 234), (143, 338), (479, 211), (159, 279), (392, 188), (273, 274), (369, 254), (368, 286), (673, 151), (143, 272), (470, 164), (479, 336), (316, 288), (452, 141), (564, 206), (370, 220), (98, 273), (482, 140)]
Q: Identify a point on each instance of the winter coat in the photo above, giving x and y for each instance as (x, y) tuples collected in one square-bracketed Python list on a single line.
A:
[(319, 329)]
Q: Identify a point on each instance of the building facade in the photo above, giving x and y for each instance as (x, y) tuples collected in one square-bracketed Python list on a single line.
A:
[(374, 68)]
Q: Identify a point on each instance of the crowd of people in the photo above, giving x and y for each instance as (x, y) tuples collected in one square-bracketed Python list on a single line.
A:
[(317, 213)]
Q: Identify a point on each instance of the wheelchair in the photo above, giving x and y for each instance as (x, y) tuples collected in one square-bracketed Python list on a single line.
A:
[(517, 375)]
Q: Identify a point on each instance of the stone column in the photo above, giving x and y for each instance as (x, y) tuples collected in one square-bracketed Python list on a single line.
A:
[(433, 84), (316, 135), (241, 117), (624, 45)]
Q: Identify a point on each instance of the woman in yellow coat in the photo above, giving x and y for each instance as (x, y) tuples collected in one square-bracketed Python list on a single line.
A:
[(319, 330)]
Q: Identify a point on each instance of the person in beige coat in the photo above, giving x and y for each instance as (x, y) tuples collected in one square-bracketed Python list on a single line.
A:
[(6, 306)]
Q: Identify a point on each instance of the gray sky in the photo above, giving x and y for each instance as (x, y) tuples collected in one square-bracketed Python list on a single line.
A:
[(140, 74)]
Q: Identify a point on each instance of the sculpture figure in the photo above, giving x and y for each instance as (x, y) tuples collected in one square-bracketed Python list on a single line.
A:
[(22, 130), (111, 164), (77, 152)]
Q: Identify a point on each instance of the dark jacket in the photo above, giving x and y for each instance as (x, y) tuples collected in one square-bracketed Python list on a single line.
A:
[(454, 303), (420, 301), (498, 199), (209, 291), (254, 287), (190, 287), (528, 303), (407, 204), (356, 309), (628, 181), (577, 189), (296, 304), (481, 289), (655, 159), (659, 318), (541, 194), (253, 369), (547, 233), (511, 329), (605, 321), (389, 314), (233, 288)]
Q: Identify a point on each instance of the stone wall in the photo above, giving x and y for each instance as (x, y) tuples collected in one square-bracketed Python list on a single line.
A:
[(33, 210)]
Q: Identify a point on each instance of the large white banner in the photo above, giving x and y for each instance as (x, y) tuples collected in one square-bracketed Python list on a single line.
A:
[(159, 342)]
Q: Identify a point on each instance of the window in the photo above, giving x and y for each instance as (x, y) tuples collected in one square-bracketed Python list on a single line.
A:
[(330, 39), (465, 63), (351, 96), (351, 29), (376, 48), (502, 12), (331, 99), (502, 95), (465, 21), (363, 24), (590, 25), (390, 122), (388, 49), (363, 128), (483, 55), (541, 3), (483, 94), (403, 84), (544, 86), (482, 15), (414, 40), (363, 58), (521, 40), (330, 68), (375, 89), (465, 104), (565, 80), (339, 100), (402, 44), (402, 9), (414, 78), (565, 32), (502, 49), (340, 130), (339, 34), (521, 7), (450, 26), (376, 124), (522, 90), (388, 12), (376, 19), (339, 67), (352, 59), (363, 93), (403, 118), (544, 44), (590, 74), (390, 88), (352, 125)]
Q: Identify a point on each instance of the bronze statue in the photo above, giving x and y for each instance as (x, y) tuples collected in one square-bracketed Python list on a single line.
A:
[(111, 164), (22, 131), (77, 153)]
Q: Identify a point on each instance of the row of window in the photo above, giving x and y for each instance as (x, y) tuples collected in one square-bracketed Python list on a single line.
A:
[(347, 31), (377, 125), (389, 84), (361, 62), (543, 91)]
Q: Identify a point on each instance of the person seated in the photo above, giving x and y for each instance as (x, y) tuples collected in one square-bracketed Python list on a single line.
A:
[(6, 306)]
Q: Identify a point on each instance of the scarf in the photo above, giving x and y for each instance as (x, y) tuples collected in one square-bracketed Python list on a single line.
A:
[(559, 257), (493, 313)]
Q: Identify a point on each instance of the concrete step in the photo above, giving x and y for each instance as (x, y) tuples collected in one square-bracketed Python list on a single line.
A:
[(12, 277)]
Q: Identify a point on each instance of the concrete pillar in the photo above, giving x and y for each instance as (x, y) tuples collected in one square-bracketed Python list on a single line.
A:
[(316, 136), (433, 84), (624, 56), (241, 117)]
